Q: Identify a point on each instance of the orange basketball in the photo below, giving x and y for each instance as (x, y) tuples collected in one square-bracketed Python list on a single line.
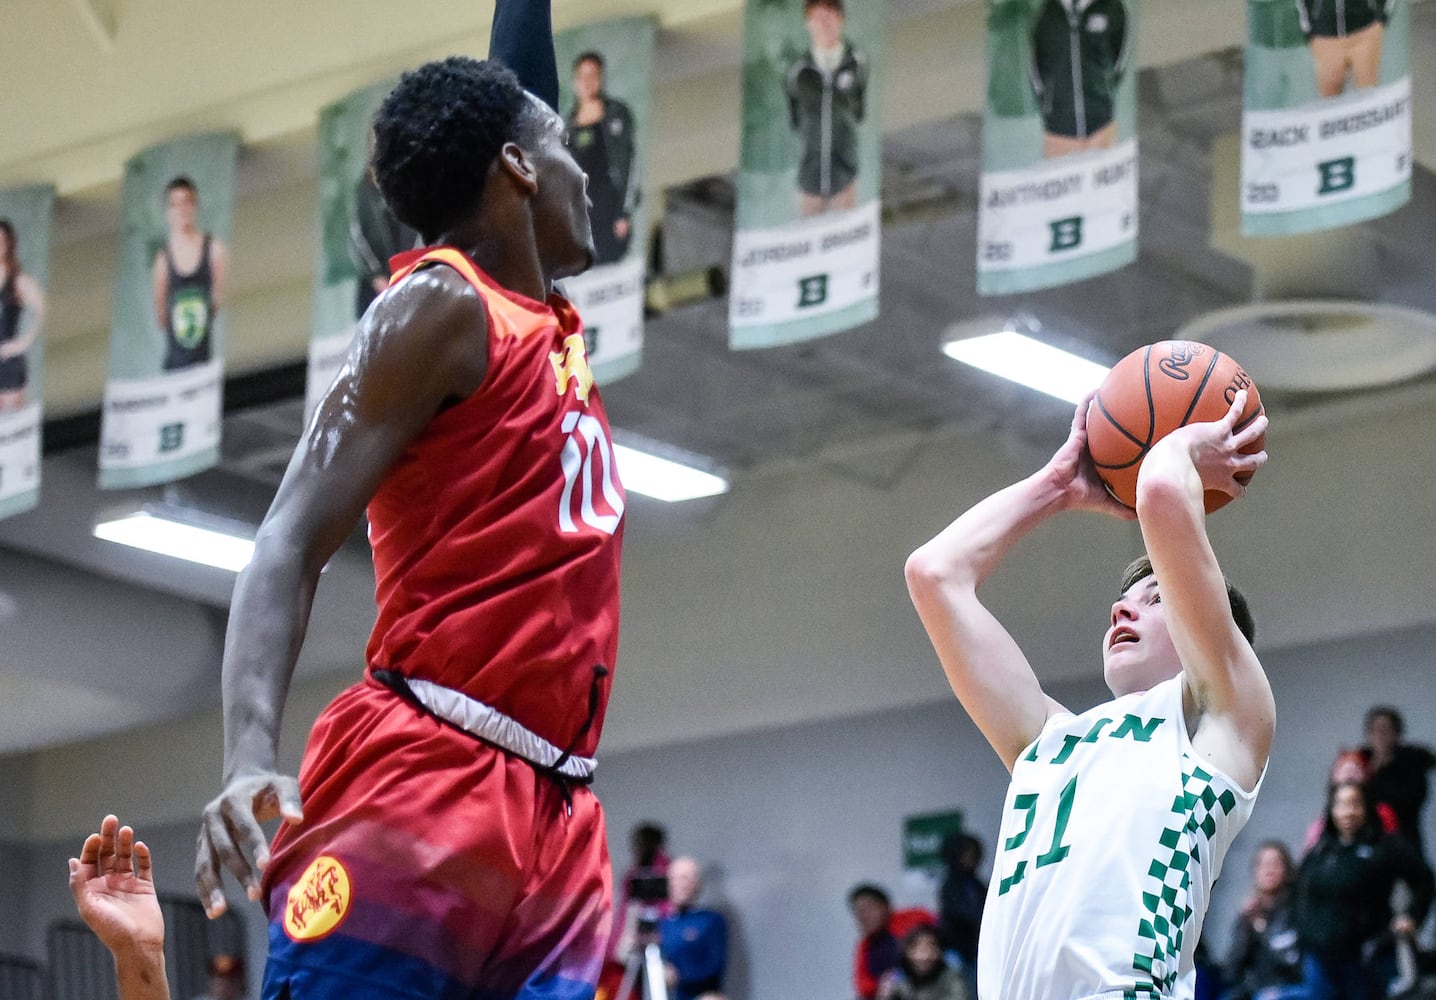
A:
[(1153, 391)]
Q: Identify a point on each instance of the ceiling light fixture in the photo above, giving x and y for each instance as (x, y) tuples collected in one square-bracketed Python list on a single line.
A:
[(1029, 362), (663, 478), (178, 540)]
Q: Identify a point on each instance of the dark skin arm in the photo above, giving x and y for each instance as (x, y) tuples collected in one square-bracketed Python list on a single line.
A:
[(424, 342)]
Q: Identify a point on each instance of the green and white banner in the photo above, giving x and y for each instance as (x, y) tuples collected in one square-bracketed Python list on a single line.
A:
[(163, 398), (357, 236), (808, 237), (1059, 143), (606, 73), (1326, 125), (25, 216)]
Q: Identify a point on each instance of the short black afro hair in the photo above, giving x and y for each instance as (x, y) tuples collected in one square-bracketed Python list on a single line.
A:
[(436, 135)]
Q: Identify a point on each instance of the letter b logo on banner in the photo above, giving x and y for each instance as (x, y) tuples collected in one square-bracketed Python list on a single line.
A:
[(1066, 233), (1337, 175)]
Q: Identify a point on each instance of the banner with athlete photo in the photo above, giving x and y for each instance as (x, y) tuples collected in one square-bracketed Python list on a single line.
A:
[(808, 236), (605, 84), (25, 218), (357, 236), (1058, 194), (1326, 120), (163, 397)]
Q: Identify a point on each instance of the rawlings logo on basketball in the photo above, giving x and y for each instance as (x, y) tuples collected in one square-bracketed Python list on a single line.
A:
[(318, 901), (1183, 353), (1241, 380), (572, 363)]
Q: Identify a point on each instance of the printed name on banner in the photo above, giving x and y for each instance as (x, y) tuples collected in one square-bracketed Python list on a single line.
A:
[(19, 451), (1327, 152), (808, 268), (1067, 208), (610, 300), (166, 417)]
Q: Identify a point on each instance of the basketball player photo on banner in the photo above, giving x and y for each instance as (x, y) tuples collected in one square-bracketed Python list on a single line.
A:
[(808, 236), (161, 418), (605, 83), (25, 215), (1058, 194), (357, 236), (1326, 119)]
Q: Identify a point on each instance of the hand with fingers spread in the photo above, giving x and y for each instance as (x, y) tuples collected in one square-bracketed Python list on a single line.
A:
[(113, 884), (1215, 449), (1071, 470), (231, 836)]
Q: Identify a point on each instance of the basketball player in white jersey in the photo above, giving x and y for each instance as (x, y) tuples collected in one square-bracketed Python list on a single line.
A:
[(1117, 819)]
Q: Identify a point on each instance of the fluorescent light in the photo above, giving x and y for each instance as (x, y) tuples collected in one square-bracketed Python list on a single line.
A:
[(1029, 362), (662, 478), (178, 540)]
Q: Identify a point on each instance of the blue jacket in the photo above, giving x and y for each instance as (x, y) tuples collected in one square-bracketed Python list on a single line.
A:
[(695, 943)]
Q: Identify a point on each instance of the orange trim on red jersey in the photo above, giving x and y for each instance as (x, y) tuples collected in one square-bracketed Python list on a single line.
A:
[(517, 308)]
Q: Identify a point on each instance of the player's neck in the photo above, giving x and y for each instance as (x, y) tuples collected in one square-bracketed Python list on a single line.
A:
[(513, 263)]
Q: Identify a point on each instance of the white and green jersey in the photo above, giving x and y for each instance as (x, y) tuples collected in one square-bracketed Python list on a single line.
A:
[(1113, 833)]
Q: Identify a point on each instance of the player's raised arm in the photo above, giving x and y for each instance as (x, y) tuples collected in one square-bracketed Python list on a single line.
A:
[(988, 672), (522, 39), (1232, 714), (420, 346)]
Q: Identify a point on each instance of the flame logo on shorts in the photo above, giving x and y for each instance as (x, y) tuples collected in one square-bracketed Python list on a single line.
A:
[(318, 901)]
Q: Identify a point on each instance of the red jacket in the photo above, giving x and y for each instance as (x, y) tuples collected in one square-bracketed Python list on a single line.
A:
[(865, 978)]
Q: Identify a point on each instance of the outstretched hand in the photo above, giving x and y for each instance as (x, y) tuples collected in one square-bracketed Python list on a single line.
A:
[(1216, 448), (231, 836), (1072, 471), (114, 888)]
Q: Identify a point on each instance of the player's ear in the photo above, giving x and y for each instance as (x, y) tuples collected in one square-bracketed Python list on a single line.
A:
[(518, 166)]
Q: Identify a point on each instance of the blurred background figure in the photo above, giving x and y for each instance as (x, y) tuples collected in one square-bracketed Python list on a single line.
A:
[(1398, 771), (961, 898), (1264, 961), (1343, 900), (600, 135), (226, 979), (879, 930), (1348, 768), (922, 972), (693, 941)]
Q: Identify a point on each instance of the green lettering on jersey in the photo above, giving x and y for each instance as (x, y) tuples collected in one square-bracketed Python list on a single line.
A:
[(1069, 743), (1136, 728), (1096, 730)]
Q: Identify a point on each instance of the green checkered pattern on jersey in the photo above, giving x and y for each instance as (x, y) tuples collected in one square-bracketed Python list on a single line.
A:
[(1194, 823)]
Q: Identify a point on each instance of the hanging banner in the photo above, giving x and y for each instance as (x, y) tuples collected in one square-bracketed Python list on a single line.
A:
[(808, 236), (357, 236), (1058, 194), (606, 73), (163, 397), (25, 215), (1326, 120)]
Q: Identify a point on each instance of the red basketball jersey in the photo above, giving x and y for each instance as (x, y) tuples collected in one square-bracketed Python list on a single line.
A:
[(497, 532)]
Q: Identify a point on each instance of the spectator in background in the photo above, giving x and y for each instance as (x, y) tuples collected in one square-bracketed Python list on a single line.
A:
[(1264, 961), (1343, 899), (643, 892), (226, 979), (693, 941), (961, 898), (922, 973), (1350, 768), (879, 929), (1397, 771), (113, 884)]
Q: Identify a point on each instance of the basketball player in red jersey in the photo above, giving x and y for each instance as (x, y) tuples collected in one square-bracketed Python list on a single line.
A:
[(441, 840)]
